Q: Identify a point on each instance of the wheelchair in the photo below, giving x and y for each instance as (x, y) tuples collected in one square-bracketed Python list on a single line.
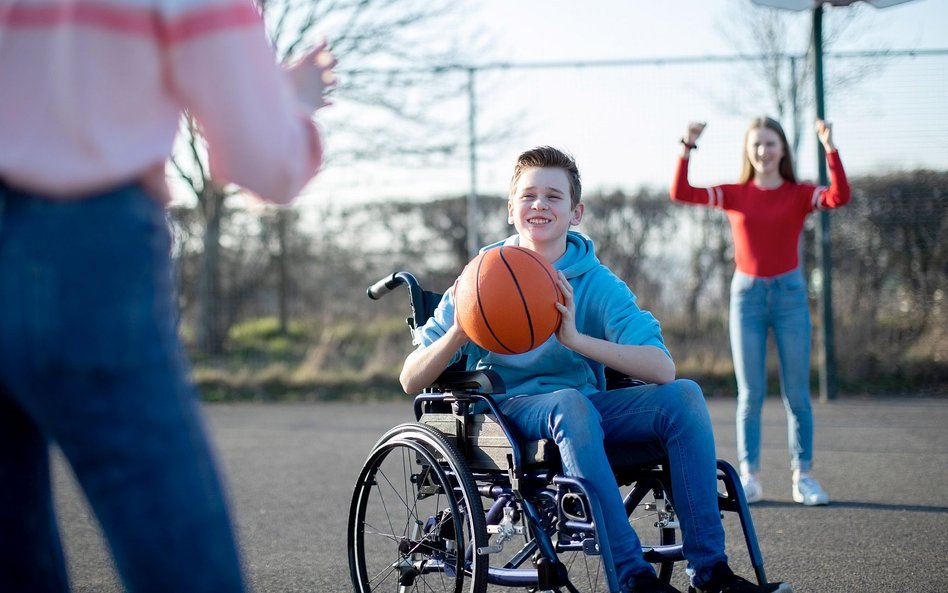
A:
[(455, 502)]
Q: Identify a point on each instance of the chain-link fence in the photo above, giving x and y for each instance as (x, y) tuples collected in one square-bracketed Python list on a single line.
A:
[(304, 270)]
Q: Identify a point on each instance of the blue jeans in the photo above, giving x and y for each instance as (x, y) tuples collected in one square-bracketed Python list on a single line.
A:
[(757, 305), (588, 428), (90, 363)]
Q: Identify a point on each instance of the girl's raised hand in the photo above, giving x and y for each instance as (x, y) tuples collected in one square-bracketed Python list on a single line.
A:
[(694, 130), (824, 131), (312, 77)]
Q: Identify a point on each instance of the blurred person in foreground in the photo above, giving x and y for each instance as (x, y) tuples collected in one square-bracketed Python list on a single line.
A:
[(766, 210), (90, 362)]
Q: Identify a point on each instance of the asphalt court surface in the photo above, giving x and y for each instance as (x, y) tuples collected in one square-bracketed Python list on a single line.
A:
[(291, 468)]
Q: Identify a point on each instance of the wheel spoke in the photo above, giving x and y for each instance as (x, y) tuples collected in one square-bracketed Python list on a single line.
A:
[(412, 522)]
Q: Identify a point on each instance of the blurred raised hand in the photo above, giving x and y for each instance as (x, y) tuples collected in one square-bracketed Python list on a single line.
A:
[(694, 131), (312, 77), (824, 131)]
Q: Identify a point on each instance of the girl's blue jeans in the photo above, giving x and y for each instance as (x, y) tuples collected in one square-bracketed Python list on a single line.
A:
[(758, 305), (591, 429), (90, 362)]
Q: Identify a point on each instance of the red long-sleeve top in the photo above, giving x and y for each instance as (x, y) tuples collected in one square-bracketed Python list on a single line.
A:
[(766, 223)]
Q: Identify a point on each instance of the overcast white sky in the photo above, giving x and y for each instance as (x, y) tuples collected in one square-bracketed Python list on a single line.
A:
[(622, 124)]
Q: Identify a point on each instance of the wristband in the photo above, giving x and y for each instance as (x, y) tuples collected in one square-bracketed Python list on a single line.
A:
[(689, 145)]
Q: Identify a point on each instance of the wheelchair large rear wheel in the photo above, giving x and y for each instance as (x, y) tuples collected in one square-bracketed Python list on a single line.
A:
[(416, 518)]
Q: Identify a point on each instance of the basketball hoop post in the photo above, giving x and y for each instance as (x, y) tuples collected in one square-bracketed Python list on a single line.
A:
[(828, 380)]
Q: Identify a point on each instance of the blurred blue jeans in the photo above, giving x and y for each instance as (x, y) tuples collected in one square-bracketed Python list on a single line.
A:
[(757, 305), (90, 362), (590, 429)]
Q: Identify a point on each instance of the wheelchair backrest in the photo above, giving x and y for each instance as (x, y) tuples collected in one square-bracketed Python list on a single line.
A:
[(429, 302)]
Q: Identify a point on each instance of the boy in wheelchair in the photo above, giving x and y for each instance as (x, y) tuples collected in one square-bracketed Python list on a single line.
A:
[(558, 391)]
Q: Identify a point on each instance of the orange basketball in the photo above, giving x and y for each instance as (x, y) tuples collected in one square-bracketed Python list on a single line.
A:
[(505, 300)]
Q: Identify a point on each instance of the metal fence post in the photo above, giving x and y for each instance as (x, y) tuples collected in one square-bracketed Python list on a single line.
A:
[(828, 383)]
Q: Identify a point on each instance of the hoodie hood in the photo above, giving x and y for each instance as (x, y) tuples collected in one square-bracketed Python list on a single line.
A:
[(580, 256)]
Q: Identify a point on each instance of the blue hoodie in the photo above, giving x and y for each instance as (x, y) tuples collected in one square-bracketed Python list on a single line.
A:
[(605, 309)]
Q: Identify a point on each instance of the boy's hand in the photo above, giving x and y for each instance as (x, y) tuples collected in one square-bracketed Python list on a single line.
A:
[(567, 333), (456, 335)]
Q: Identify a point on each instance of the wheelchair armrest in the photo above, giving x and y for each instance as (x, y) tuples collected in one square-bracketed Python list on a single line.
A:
[(483, 381), (617, 380)]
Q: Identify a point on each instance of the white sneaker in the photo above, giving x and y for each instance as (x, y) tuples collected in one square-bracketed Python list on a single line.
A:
[(808, 491), (753, 491)]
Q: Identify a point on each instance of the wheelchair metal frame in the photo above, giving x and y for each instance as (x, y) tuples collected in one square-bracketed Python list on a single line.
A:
[(519, 491)]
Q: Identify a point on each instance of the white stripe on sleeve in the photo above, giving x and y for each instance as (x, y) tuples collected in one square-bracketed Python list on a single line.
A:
[(816, 196), (715, 197)]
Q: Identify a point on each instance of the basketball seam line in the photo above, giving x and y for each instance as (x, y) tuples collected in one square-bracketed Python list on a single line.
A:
[(523, 299), (480, 307), (553, 280)]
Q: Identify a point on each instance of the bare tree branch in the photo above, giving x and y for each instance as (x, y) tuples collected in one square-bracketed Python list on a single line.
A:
[(401, 67)]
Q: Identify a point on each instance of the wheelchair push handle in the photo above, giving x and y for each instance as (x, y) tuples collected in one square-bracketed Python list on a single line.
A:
[(421, 305), (390, 283)]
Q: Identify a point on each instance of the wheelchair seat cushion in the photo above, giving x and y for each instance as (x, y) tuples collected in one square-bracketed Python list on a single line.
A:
[(484, 445)]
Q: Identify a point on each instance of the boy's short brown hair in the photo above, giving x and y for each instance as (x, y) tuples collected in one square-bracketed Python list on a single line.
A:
[(547, 156)]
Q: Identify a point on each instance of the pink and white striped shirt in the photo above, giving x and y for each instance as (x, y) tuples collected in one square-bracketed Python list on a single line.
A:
[(91, 93)]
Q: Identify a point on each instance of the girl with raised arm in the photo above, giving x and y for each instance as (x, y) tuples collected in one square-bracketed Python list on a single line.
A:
[(766, 209)]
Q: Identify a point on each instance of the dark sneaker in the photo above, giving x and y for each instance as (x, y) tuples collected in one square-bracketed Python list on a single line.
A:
[(723, 580), (647, 582)]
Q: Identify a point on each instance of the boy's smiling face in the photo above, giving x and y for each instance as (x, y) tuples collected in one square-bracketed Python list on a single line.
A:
[(542, 210)]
